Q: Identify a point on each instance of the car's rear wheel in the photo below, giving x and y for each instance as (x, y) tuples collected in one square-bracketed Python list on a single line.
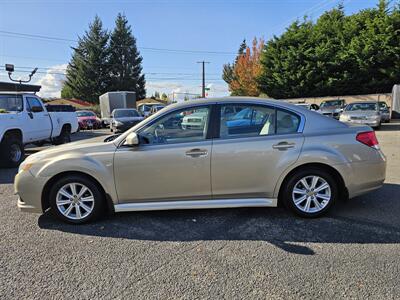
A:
[(64, 137), (311, 192), (76, 199)]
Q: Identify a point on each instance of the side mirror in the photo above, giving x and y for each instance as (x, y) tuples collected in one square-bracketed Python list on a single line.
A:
[(132, 139), (36, 109)]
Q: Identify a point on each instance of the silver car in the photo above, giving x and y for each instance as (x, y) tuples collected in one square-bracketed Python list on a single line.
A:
[(364, 112), (274, 152)]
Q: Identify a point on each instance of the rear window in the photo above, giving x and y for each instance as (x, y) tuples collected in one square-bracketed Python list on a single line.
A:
[(11, 103)]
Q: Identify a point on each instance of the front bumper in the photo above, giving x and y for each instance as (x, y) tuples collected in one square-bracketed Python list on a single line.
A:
[(124, 127), (29, 190), (371, 123)]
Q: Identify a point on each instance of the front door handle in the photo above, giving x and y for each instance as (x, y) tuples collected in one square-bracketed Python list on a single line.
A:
[(283, 146), (196, 152)]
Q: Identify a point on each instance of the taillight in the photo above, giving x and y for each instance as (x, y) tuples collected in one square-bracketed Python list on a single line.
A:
[(368, 138)]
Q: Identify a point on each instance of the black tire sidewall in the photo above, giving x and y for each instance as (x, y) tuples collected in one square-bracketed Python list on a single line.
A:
[(98, 209), (5, 150), (287, 193)]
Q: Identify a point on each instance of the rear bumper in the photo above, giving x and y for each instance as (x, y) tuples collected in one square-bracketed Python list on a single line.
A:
[(363, 177)]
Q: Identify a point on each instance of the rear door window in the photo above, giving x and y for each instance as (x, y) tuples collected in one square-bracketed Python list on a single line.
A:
[(247, 120)]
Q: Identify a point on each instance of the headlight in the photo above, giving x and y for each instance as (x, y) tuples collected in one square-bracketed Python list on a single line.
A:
[(344, 118), (118, 123)]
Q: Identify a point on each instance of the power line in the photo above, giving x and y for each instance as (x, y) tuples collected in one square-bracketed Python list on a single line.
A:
[(59, 39)]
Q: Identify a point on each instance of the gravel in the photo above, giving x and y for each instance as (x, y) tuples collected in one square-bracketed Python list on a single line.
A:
[(225, 253)]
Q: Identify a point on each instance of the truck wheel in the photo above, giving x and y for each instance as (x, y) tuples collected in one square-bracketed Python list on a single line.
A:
[(64, 137), (12, 152)]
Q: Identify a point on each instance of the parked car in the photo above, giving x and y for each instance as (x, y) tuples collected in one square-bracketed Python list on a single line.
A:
[(24, 120), (88, 120), (145, 108), (124, 118), (385, 111), (298, 157), (195, 119), (332, 108), (365, 112), (115, 100), (156, 108), (309, 106)]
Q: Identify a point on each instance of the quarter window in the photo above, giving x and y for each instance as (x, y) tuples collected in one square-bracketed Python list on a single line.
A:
[(182, 126), (286, 122)]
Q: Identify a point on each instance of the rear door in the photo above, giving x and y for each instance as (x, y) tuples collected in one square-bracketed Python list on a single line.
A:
[(254, 147), (39, 120)]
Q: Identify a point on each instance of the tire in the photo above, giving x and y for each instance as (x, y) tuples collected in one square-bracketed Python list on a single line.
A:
[(63, 138), (12, 152), (61, 210), (289, 195)]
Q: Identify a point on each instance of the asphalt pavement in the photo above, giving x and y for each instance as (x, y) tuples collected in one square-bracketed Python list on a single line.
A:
[(252, 253)]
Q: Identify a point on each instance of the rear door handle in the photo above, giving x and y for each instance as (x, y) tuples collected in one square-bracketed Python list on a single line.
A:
[(283, 146), (196, 152)]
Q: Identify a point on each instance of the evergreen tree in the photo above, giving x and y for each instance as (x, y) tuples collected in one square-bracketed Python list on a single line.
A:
[(125, 60), (336, 55), (88, 71), (227, 71)]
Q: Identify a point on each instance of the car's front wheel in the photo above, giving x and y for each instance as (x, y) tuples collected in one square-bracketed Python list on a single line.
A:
[(76, 199), (311, 192)]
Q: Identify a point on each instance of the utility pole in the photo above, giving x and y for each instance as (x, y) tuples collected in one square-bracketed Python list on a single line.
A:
[(203, 89)]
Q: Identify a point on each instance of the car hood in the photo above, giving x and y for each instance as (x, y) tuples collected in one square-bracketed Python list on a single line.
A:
[(329, 109), (86, 118), (359, 113), (128, 119), (92, 145)]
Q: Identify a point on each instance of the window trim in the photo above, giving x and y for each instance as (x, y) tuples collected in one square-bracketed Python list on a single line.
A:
[(30, 107), (209, 125), (300, 127)]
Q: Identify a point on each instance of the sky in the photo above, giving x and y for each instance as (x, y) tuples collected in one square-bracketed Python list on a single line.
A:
[(182, 33)]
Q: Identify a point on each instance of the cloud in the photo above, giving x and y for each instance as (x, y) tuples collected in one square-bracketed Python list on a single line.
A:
[(52, 81)]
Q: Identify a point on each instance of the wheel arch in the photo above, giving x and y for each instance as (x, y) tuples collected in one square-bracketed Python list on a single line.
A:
[(331, 170), (46, 189), (13, 132)]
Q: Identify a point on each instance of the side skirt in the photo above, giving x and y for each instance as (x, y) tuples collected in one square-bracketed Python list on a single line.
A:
[(197, 204)]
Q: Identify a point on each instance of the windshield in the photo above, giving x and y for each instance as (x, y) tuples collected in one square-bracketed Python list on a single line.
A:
[(85, 114), (10, 103), (331, 103), (126, 113), (361, 106)]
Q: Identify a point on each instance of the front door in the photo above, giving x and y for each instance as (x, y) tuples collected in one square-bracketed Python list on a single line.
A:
[(39, 122), (255, 146), (172, 161)]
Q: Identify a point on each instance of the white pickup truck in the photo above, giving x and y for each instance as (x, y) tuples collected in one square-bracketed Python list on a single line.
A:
[(24, 120)]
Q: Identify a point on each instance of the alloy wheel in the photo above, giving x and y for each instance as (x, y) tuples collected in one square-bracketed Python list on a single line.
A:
[(75, 201), (311, 194)]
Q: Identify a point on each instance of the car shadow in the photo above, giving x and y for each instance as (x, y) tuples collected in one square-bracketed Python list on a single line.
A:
[(271, 225), (7, 175)]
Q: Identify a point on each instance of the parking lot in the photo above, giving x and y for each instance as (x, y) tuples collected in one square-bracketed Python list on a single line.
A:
[(224, 253)]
